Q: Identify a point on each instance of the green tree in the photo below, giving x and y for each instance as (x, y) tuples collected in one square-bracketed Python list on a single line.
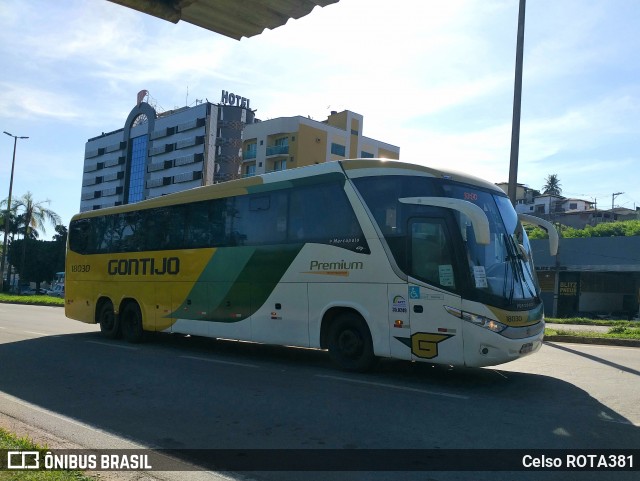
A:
[(13, 224), (33, 217), (44, 260), (552, 185), (625, 228)]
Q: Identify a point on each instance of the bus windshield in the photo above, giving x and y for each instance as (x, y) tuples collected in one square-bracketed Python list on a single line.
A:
[(502, 268), (499, 273)]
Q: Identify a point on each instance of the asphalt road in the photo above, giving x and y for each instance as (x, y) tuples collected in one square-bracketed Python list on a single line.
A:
[(175, 392)]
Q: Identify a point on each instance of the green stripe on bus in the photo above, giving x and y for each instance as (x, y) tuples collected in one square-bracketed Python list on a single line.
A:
[(236, 282)]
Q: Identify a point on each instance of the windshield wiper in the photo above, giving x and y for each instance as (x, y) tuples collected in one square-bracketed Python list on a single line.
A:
[(513, 262), (516, 263)]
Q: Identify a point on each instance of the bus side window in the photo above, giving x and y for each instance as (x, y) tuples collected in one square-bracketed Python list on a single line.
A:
[(430, 256), (322, 213), (218, 222), (172, 226), (79, 235), (101, 232), (261, 218), (199, 232), (132, 236)]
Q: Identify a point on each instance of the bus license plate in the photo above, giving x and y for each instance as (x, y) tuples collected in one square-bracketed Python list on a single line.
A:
[(528, 347)]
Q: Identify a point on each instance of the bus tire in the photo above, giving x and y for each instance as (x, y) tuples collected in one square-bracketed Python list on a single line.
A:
[(109, 324), (349, 342), (131, 323)]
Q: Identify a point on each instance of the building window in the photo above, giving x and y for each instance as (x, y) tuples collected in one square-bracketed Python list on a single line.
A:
[(573, 206), (139, 120), (338, 149), (366, 155), (251, 152), (137, 168), (250, 170)]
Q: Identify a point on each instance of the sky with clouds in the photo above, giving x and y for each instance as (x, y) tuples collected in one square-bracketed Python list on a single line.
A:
[(434, 77)]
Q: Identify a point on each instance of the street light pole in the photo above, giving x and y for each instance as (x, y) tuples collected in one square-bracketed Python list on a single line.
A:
[(8, 213)]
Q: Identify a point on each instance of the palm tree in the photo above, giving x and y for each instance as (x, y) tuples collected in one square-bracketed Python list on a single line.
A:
[(34, 215), (552, 185), (13, 216), (10, 232)]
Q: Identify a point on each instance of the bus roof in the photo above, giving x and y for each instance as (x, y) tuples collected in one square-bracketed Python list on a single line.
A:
[(352, 168), (367, 167)]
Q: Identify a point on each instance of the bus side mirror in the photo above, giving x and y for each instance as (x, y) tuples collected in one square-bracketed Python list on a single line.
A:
[(548, 226)]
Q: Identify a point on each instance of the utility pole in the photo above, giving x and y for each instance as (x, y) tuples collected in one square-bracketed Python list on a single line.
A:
[(613, 197)]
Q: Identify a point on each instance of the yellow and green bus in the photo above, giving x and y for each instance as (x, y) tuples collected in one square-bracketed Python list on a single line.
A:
[(366, 258)]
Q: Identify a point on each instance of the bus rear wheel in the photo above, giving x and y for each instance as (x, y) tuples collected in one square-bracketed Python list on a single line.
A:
[(349, 343), (131, 322), (109, 325)]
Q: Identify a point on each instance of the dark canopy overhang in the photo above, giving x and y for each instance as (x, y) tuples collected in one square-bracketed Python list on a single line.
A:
[(232, 18)]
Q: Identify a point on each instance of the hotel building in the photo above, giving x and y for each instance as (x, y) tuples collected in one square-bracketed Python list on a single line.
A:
[(156, 153)]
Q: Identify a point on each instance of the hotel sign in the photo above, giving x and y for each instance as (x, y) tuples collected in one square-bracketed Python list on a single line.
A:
[(229, 98)]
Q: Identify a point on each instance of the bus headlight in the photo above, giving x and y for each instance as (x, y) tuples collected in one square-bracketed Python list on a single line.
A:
[(485, 322)]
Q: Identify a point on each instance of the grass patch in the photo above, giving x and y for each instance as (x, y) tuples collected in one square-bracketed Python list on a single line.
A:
[(617, 332), (32, 300), (624, 333), (584, 321), (11, 441)]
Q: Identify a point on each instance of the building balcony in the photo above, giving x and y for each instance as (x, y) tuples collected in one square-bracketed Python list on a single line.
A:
[(277, 150), (249, 155)]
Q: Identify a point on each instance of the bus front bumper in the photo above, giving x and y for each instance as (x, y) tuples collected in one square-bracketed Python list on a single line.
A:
[(489, 348)]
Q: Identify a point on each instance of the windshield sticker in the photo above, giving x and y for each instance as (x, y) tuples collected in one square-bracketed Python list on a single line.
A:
[(480, 277), (445, 272)]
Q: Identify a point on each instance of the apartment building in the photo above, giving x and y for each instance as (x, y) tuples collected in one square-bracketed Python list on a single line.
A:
[(289, 142)]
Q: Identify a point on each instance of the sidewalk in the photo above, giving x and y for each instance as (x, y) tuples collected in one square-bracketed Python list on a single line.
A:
[(587, 340)]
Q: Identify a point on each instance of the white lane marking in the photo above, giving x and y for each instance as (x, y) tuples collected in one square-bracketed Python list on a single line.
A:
[(112, 344), (36, 333), (603, 416), (219, 362), (394, 386), (625, 422)]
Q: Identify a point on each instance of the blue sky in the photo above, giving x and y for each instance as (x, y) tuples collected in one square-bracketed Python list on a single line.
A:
[(432, 76)]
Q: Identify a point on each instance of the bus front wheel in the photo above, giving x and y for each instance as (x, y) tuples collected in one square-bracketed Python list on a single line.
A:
[(131, 322), (350, 344), (109, 325)]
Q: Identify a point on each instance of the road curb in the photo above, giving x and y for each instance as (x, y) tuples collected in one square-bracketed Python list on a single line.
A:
[(594, 340)]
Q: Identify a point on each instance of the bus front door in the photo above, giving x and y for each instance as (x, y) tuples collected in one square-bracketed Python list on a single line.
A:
[(436, 330), (436, 335)]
